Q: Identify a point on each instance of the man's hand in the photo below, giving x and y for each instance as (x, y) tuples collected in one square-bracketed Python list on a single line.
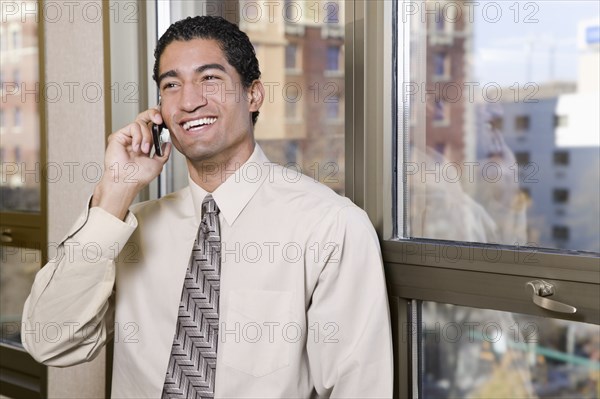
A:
[(128, 167)]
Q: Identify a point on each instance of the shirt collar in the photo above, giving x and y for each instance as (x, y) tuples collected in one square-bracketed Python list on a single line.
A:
[(237, 190)]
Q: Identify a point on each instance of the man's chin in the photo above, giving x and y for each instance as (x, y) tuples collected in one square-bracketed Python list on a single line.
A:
[(200, 155)]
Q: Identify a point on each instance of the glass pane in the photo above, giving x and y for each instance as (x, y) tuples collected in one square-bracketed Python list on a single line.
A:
[(503, 130), (300, 49), (301, 54), (19, 114), (479, 353), (18, 267)]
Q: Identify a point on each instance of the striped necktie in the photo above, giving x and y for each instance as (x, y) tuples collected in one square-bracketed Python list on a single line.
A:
[(192, 366)]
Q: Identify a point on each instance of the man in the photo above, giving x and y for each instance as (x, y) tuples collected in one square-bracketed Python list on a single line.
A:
[(283, 295)]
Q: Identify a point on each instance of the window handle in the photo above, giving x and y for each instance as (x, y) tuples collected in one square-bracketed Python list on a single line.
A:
[(6, 236), (543, 289)]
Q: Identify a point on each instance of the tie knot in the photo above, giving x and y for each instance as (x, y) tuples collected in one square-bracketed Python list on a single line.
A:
[(209, 205)]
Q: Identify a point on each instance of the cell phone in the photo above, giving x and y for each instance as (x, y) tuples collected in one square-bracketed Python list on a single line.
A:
[(159, 137)]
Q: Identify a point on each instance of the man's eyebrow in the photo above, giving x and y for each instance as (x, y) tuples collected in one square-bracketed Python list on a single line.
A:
[(173, 73), (203, 68), (169, 74)]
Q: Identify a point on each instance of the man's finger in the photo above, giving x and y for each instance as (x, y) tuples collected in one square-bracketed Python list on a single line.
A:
[(135, 131), (167, 147), (147, 141), (150, 115)]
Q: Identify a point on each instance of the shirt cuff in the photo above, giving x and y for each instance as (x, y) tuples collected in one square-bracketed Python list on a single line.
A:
[(105, 232)]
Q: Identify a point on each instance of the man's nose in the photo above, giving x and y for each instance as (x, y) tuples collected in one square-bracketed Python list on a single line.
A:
[(193, 97)]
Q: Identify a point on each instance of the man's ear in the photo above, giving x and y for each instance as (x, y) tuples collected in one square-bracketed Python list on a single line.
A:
[(256, 95)]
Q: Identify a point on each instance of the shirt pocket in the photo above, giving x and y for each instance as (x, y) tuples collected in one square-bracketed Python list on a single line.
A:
[(252, 336)]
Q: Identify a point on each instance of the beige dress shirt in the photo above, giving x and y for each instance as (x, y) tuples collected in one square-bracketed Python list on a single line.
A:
[(303, 303)]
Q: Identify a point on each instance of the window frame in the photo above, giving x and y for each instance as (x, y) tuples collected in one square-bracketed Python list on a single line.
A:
[(376, 60)]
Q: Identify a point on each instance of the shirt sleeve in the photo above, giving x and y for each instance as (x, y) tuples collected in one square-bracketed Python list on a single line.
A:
[(351, 356), (69, 312)]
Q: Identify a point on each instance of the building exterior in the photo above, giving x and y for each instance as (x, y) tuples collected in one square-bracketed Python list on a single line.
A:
[(560, 180), (449, 115), (19, 109), (555, 142), (300, 47)]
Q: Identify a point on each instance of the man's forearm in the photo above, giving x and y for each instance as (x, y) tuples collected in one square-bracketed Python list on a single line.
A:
[(71, 294)]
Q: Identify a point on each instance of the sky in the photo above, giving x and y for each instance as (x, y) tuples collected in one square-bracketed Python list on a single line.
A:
[(516, 46)]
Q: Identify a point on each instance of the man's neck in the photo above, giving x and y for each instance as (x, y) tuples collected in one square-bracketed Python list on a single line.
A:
[(209, 174)]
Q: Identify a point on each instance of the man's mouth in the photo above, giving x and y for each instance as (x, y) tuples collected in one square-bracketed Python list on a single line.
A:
[(198, 123)]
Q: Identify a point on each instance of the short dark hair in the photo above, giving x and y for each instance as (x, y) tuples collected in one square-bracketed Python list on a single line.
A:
[(235, 44)]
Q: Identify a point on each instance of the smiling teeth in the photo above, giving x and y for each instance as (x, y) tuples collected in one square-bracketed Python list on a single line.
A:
[(199, 122)]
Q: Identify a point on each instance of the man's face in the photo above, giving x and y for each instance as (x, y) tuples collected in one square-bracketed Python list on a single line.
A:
[(204, 105)]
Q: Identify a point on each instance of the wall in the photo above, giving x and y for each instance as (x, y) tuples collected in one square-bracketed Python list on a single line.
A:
[(76, 133)]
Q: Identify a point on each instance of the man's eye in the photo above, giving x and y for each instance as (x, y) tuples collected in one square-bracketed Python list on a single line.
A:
[(210, 77), (169, 85)]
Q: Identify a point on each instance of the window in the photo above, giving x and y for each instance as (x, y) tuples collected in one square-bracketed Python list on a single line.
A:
[(295, 116), (427, 229), (441, 65), (333, 58), (3, 39), (291, 152), (22, 211), (290, 56), (291, 110), (441, 112), (250, 10), (333, 109), (332, 10), (292, 11), (497, 123), (449, 213), (560, 233), (21, 195), (522, 122), (560, 195), (16, 40), (561, 120), (561, 158), (522, 158), (17, 120), (440, 21)]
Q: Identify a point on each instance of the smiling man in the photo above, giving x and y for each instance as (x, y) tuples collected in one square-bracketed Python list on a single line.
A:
[(245, 284)]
